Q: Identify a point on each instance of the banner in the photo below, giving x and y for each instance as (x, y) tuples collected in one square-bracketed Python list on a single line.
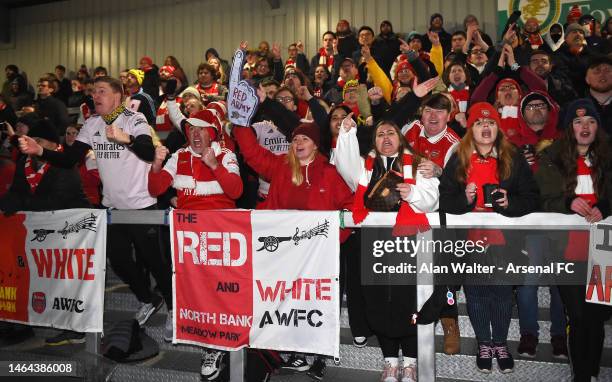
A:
[(263, 279), (599, 279), (549, 12), (52, 269)]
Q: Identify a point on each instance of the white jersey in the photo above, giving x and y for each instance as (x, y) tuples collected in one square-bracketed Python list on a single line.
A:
[(124, 176)]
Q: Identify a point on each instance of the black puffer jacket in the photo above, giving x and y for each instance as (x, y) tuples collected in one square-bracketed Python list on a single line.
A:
[(58, 189)]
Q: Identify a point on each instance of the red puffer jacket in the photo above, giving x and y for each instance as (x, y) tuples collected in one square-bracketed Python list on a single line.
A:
[(322, 189)]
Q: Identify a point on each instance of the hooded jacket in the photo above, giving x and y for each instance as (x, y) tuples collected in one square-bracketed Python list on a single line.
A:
[(527, 136), (553, 46)]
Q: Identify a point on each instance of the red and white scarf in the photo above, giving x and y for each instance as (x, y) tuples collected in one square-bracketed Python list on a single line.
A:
[(326, 59), (35, 176), (408, 222), (578, 241)]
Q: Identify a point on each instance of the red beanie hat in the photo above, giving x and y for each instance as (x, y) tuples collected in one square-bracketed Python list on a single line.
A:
[(309, 129), (404, 64), (168, 69), (148, 60), (204, 118), (483, 110), (574, 13), (508, 81), (220, 107)]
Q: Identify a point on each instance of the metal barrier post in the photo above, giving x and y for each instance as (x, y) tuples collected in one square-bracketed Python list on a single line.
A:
[(238, 365), (425, 333), (92, 343)]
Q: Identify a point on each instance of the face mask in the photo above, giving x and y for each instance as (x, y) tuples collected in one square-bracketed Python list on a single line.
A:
[(555, 36)]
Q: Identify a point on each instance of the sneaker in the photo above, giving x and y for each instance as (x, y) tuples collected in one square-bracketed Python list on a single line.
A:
[(212, 364), (148, 309), (317, 369), (505, 362), (409, 373), (66, 337), (528, 346), (360, 342), (389, 374), (559, 345), (168, 328), (296, 362), (484, 358), (452, 342)]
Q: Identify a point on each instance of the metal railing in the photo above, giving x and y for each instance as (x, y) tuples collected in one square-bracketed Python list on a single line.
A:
[(426, 349)]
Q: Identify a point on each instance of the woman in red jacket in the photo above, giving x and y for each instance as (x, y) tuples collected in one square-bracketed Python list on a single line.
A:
[(302, 179)]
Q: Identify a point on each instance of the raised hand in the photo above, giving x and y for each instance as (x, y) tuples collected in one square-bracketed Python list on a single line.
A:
[(510, 34), (276, 51), (421, 90), (365, 53), (348, 123), (375, 94), (261, 94), (303, 93), (404, 47), (29, 146), (509, 54), (300, 46), (434, 38)]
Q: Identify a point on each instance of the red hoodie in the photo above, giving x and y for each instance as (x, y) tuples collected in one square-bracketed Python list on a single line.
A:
[(526, 136)]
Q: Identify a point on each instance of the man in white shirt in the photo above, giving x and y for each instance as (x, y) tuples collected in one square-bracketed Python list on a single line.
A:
[(121, 141)]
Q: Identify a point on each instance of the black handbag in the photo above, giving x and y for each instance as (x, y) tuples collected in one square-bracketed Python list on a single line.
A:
[(384, 196)]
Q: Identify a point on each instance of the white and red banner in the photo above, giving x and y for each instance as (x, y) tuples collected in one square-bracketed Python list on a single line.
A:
[(264, 279), (599, 275), (52, 268)]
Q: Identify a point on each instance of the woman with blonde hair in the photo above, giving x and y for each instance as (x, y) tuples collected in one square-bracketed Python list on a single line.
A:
[(221, 75)]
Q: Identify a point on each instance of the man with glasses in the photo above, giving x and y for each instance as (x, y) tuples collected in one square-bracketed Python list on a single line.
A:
[(538, 119), (558, 86), (49, 107)]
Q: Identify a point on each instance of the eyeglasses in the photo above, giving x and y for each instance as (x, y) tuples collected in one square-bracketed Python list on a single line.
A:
[(507, 88), (286, 99), (536, 106)]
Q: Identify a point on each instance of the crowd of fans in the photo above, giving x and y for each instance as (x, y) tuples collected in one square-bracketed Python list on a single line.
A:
[(372, 122)]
